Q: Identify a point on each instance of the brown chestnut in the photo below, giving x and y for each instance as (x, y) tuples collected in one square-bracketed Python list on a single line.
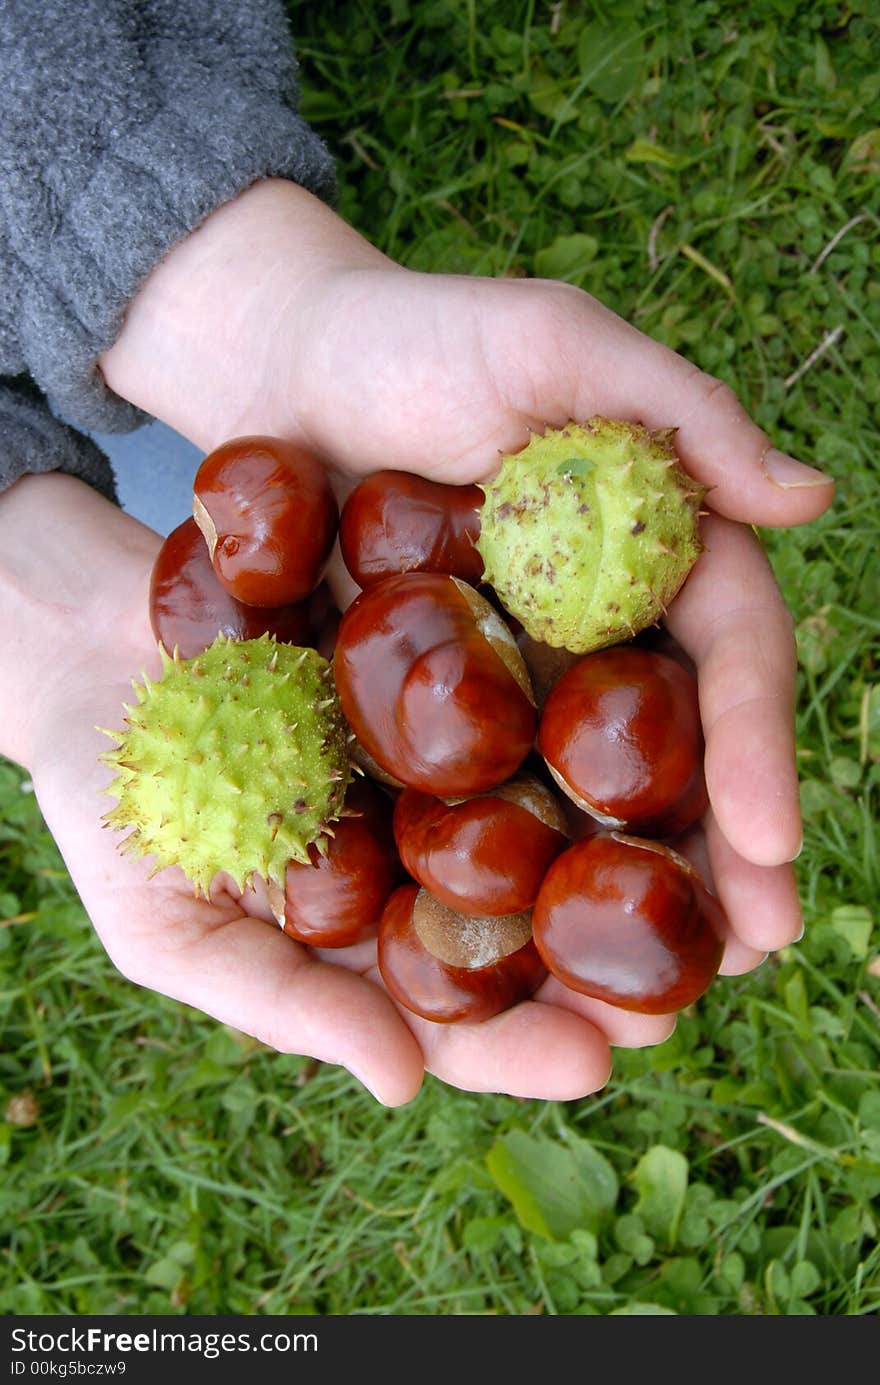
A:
[(338, 899), (630, 922), (485, 855), (189, 608), (449, 967), (431, 681), (269, 517), (394, 522), (621, 734)]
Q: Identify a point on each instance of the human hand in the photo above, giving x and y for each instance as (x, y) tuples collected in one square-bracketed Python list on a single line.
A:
[(373, 366), (74, 578)]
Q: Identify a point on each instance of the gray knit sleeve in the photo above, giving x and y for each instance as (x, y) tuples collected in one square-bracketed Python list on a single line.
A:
[(32, 440), (122, 126)]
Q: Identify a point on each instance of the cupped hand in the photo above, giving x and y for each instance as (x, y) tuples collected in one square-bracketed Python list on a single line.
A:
[(226, 955), (276, 317)]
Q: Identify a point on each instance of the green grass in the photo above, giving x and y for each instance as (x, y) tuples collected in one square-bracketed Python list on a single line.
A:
[(691, 165)]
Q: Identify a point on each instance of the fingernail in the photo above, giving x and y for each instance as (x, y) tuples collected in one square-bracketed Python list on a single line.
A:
[(801, 934), (784, 471)]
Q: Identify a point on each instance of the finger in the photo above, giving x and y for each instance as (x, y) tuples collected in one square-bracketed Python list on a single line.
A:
[(761, 902), (731, 619), (739, 956), (628, 375), (533, 1050), (622, 1028)]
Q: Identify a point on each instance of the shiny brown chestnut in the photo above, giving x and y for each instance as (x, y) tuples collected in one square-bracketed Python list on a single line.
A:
[(630, 922), (189, 608), (431, 682), (338, 899), (448, 967), (394, 522), (621, 734), (484, 855), (269, 517)]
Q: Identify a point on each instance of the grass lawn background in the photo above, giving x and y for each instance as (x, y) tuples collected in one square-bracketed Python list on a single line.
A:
[(712, 172)]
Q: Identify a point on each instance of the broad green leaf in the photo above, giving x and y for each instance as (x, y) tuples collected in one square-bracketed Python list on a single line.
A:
[(826, 79), (732, 1270), (566, 257), (549, 97), (845, 772), (554, 1188), (805, 1279), (612, 58), (661, 1177), (630, 1233), (483, 1234), (777, 1282), (164, 1274), (853, 922), (869, 1110)]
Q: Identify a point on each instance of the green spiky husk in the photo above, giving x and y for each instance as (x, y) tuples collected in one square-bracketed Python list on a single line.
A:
[(235, 760), (588, 532)]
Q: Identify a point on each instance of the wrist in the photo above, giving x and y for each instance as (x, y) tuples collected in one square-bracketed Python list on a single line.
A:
[(74, 575), (210, 342)]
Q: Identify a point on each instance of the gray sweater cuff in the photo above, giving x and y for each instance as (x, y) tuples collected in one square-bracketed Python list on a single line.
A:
[(152, 186), (31, 440)]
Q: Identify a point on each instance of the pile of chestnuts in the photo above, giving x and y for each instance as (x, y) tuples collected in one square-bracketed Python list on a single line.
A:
[(517, 806)]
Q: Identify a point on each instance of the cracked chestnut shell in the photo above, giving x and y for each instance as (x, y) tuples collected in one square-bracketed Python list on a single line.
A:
[(394, 522), (338, 899), (630, 922), (621, 734), (484, 855), (189, 607), (449, 967), (433, 686), (269, 517)]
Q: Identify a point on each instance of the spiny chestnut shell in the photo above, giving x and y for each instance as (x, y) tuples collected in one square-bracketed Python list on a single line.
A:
[(436, 991), (588, 532), (395, 522), (621, 733), (629, 922), (425, 692), (233, 761), (269, 517), (189, 606), (484, 855)]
